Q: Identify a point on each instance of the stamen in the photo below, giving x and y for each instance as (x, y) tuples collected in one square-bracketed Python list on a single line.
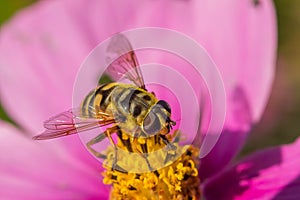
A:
[(176, 179)]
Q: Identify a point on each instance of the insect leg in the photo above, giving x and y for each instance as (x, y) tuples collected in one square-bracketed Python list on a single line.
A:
[(171, 149), (143, 153), (96, 140), (170, 146), (126, 142), (107, 133)]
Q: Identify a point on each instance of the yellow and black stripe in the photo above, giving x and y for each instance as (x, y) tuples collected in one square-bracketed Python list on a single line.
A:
[(121, 100), (97, 99)]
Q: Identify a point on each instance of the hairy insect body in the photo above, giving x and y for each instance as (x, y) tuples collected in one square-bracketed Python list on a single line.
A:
[(140, 120), (133, 109), (127, 103)]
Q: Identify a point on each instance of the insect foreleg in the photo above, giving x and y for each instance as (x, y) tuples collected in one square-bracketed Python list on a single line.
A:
[(143, 153), (96, 140), (170, 146), (171, 149), (107, 133)]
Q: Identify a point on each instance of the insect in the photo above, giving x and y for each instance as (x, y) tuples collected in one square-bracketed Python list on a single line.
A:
[(128, 109)]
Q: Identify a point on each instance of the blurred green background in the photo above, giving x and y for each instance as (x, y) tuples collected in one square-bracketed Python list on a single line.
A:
[(280, 122)]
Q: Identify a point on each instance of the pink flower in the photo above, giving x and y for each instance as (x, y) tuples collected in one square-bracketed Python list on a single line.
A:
[(43, 46)]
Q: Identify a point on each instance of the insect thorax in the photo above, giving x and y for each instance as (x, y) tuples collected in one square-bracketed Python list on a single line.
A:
[(129, 105)]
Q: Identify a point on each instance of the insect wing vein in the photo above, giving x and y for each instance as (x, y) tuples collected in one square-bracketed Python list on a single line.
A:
[(124, 63), (68, 123)]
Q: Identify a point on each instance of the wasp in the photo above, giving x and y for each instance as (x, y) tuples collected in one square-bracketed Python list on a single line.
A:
[(129, 110)]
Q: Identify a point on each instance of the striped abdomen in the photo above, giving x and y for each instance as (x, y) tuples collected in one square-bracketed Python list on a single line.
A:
[(97, 99), (127, 103)]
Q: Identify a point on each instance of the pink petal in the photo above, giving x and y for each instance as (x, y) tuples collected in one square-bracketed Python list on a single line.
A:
[(242, 42), (269, 174), (51, 39), (31, 170), (39, 59), (231, 139)]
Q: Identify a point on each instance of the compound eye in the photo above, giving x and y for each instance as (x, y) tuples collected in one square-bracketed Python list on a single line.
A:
[(151, 124)]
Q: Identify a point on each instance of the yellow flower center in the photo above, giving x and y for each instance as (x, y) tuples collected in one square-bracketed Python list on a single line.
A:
[(151, 170)]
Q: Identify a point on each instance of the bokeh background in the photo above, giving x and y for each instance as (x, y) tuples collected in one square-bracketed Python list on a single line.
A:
[(281, 120)]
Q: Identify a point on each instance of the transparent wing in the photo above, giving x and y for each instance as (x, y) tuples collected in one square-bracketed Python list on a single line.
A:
[(123, 61), (70, 122)]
